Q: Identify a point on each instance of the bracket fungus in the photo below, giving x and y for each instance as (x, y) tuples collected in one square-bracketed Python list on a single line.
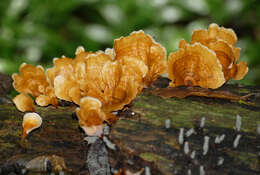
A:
[(142, 46), (222, 41), (113, 83), (31, 121), (91, 116), (195, 65), (32, 80), (209, 61), (23, 102)]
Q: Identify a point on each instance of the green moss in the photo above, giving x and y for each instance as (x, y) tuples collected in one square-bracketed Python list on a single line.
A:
[(249, 159), (150, 157), (163, 163), (183, 112)]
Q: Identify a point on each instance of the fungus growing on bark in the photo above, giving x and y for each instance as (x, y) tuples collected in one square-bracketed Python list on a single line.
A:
[(47, 98), (31, 121), (195, 65), (110, 85), (67, 88), (213, 34), (91, 117), (142, 46), (114, 83), (222, 41), (23, 102), (32, 80), (62, 66)]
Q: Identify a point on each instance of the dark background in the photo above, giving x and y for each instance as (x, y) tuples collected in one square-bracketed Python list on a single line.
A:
[(36, 31)]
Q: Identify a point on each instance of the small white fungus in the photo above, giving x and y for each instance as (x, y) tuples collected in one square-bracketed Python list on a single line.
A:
[(181, 139)]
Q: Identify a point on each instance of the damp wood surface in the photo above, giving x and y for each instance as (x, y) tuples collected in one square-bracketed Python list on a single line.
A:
[(141, 136)]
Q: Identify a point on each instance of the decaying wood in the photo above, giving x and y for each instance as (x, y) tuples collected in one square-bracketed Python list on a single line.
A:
[(182, 92), (142, 139), (97, 161)]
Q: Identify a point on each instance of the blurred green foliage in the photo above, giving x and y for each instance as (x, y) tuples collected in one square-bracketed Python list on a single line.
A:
[(35, 31)]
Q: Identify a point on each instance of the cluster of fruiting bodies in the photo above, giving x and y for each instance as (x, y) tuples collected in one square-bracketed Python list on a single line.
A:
[(106, 81)]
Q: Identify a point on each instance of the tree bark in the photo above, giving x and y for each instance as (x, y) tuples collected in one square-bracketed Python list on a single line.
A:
[(141, 136)]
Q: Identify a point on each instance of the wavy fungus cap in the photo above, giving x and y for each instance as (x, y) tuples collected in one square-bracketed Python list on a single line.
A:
[(213, 34), (47, 98), (195, 65), (67, 89), (31, 121), (23, 102), (93, 80), (221, 41), (142, 46), (79, 65), (32, 80), (114, 82), (90, 115), (62, 66)]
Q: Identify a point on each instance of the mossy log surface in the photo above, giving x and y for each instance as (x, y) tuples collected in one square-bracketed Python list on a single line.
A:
[(141, 136)]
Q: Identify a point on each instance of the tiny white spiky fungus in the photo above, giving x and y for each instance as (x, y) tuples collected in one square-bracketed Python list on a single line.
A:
[(193, 154), (189, 171), (238, 123), (202, 171), (217, 140), (167, 123), (31, 121), (147, 170), (186, 147), (190, 132), (221, 138), (206, 145), (202, 122), (109, 143), (220, 161), (236, 141), (258, 129), (181, 139)]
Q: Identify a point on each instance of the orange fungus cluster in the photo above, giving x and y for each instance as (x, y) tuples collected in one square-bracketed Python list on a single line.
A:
[(100, 82), (105, 81), (208, 61)]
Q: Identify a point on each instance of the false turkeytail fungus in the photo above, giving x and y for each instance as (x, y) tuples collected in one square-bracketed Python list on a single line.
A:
[(23, 102), (222, 41), (109, 86), (67, 89), (114, 83), (142, 46), (32, 80), (62, 66), (195, 65), (216, 43), (91, 116), (31, 121)]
